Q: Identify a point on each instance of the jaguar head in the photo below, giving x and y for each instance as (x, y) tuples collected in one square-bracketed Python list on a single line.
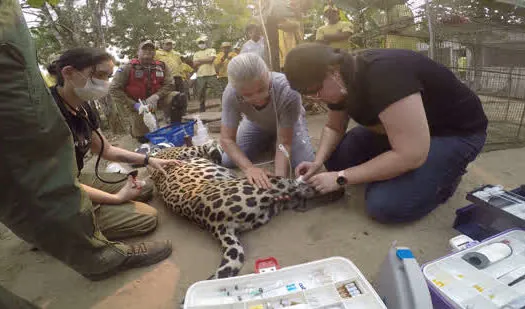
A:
[(214, 151)]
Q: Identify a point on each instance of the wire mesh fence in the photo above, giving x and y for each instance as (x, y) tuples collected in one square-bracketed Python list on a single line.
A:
[(482, 42)]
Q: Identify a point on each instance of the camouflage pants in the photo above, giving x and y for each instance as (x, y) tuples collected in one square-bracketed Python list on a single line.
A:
[(207, 85), (40, 198), (223, 82)]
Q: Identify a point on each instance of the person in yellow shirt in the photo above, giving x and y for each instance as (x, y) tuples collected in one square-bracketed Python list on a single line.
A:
[(187, 71), (336, 33), (49, 79), (206, 75), (290, 35), (172, 60), (221, 64)]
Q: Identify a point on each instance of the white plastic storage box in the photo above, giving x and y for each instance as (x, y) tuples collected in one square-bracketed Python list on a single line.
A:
[(333, 283), (489, 275)]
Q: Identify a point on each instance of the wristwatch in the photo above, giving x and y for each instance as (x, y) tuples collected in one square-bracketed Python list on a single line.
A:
[(341, 178)]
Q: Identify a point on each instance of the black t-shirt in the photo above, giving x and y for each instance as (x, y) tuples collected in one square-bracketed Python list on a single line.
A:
[(384, 76), (79, 127)]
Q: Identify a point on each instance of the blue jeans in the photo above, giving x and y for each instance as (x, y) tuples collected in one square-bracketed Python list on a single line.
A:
[(416, 193), (252, 140)]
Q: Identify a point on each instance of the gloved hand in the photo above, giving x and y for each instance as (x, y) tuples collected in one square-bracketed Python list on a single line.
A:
[(143, 108), (136, 106), (152, 102)]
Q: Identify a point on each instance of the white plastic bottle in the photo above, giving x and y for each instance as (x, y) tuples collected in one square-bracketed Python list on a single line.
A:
[(201, 136)]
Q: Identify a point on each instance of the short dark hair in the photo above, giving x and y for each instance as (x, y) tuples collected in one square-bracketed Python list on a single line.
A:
[(307, 65), (79, 58)]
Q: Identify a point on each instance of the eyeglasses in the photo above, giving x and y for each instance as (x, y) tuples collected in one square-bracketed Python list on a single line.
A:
[(103, 75), (259, 96), (315, 93)]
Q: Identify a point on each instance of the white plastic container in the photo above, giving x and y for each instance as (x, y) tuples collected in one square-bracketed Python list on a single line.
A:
[(457, 282), (306, 286), (201, 135)]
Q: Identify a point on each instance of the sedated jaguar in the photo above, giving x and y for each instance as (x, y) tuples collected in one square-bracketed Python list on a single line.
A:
[(217, 200)]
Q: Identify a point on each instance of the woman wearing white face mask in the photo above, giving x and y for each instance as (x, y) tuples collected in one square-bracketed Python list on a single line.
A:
[(82, 75)]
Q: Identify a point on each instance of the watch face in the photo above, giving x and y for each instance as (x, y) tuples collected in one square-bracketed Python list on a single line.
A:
[(341, 181)]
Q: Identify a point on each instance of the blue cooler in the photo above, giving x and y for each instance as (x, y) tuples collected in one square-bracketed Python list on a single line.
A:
[(489, 275), (173, 133)]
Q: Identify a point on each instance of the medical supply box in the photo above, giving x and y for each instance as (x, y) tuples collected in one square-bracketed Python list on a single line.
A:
[(487, 275)]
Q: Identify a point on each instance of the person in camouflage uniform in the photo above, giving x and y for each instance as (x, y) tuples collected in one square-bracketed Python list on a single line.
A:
[(145, 79), (40, 198)]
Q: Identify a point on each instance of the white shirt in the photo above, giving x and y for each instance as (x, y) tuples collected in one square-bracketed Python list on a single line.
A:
[(255, 47)]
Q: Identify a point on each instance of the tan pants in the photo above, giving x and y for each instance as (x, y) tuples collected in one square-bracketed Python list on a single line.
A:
[(124, 220)]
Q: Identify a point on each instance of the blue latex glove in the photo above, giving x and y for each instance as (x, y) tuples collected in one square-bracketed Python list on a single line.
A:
[(136, 106)]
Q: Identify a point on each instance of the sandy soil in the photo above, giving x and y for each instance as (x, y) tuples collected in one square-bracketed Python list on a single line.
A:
[(337, 229)]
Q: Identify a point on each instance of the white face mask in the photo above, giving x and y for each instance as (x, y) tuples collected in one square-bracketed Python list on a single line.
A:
[(202, 46), (93, 90)]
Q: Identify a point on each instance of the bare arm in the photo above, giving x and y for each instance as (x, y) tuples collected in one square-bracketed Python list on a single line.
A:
[(333, 132), (227, 140), (282, 165), (406, 125), (202, 61), (114, 154), (337, 37)]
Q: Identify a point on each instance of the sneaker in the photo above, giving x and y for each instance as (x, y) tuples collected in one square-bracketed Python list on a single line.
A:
[(139, 255)]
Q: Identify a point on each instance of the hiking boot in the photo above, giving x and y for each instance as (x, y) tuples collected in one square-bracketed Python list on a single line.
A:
[(139, 255)]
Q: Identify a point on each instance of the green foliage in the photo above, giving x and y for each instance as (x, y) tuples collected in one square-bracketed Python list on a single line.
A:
[(36, 3), (181, 21), (40, 3), (484, 11), (46, 44), (64, 24)]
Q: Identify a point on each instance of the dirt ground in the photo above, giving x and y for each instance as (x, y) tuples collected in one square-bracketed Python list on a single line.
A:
[(337, 229)]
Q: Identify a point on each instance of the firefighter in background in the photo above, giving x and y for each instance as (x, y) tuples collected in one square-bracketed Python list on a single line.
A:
[(290, 33), (337, 32), (221, 64), (206, 75), (173, 61), (187, 71), (145, 79)]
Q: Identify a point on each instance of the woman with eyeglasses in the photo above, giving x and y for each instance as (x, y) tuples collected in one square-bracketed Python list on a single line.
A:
[(259, 112), (83, 75), (418, 126)]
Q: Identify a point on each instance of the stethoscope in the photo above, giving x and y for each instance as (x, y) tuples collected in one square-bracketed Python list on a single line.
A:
[(84, 117)]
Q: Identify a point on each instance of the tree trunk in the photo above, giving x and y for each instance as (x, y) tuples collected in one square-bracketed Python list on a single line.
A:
[(97, 8)]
